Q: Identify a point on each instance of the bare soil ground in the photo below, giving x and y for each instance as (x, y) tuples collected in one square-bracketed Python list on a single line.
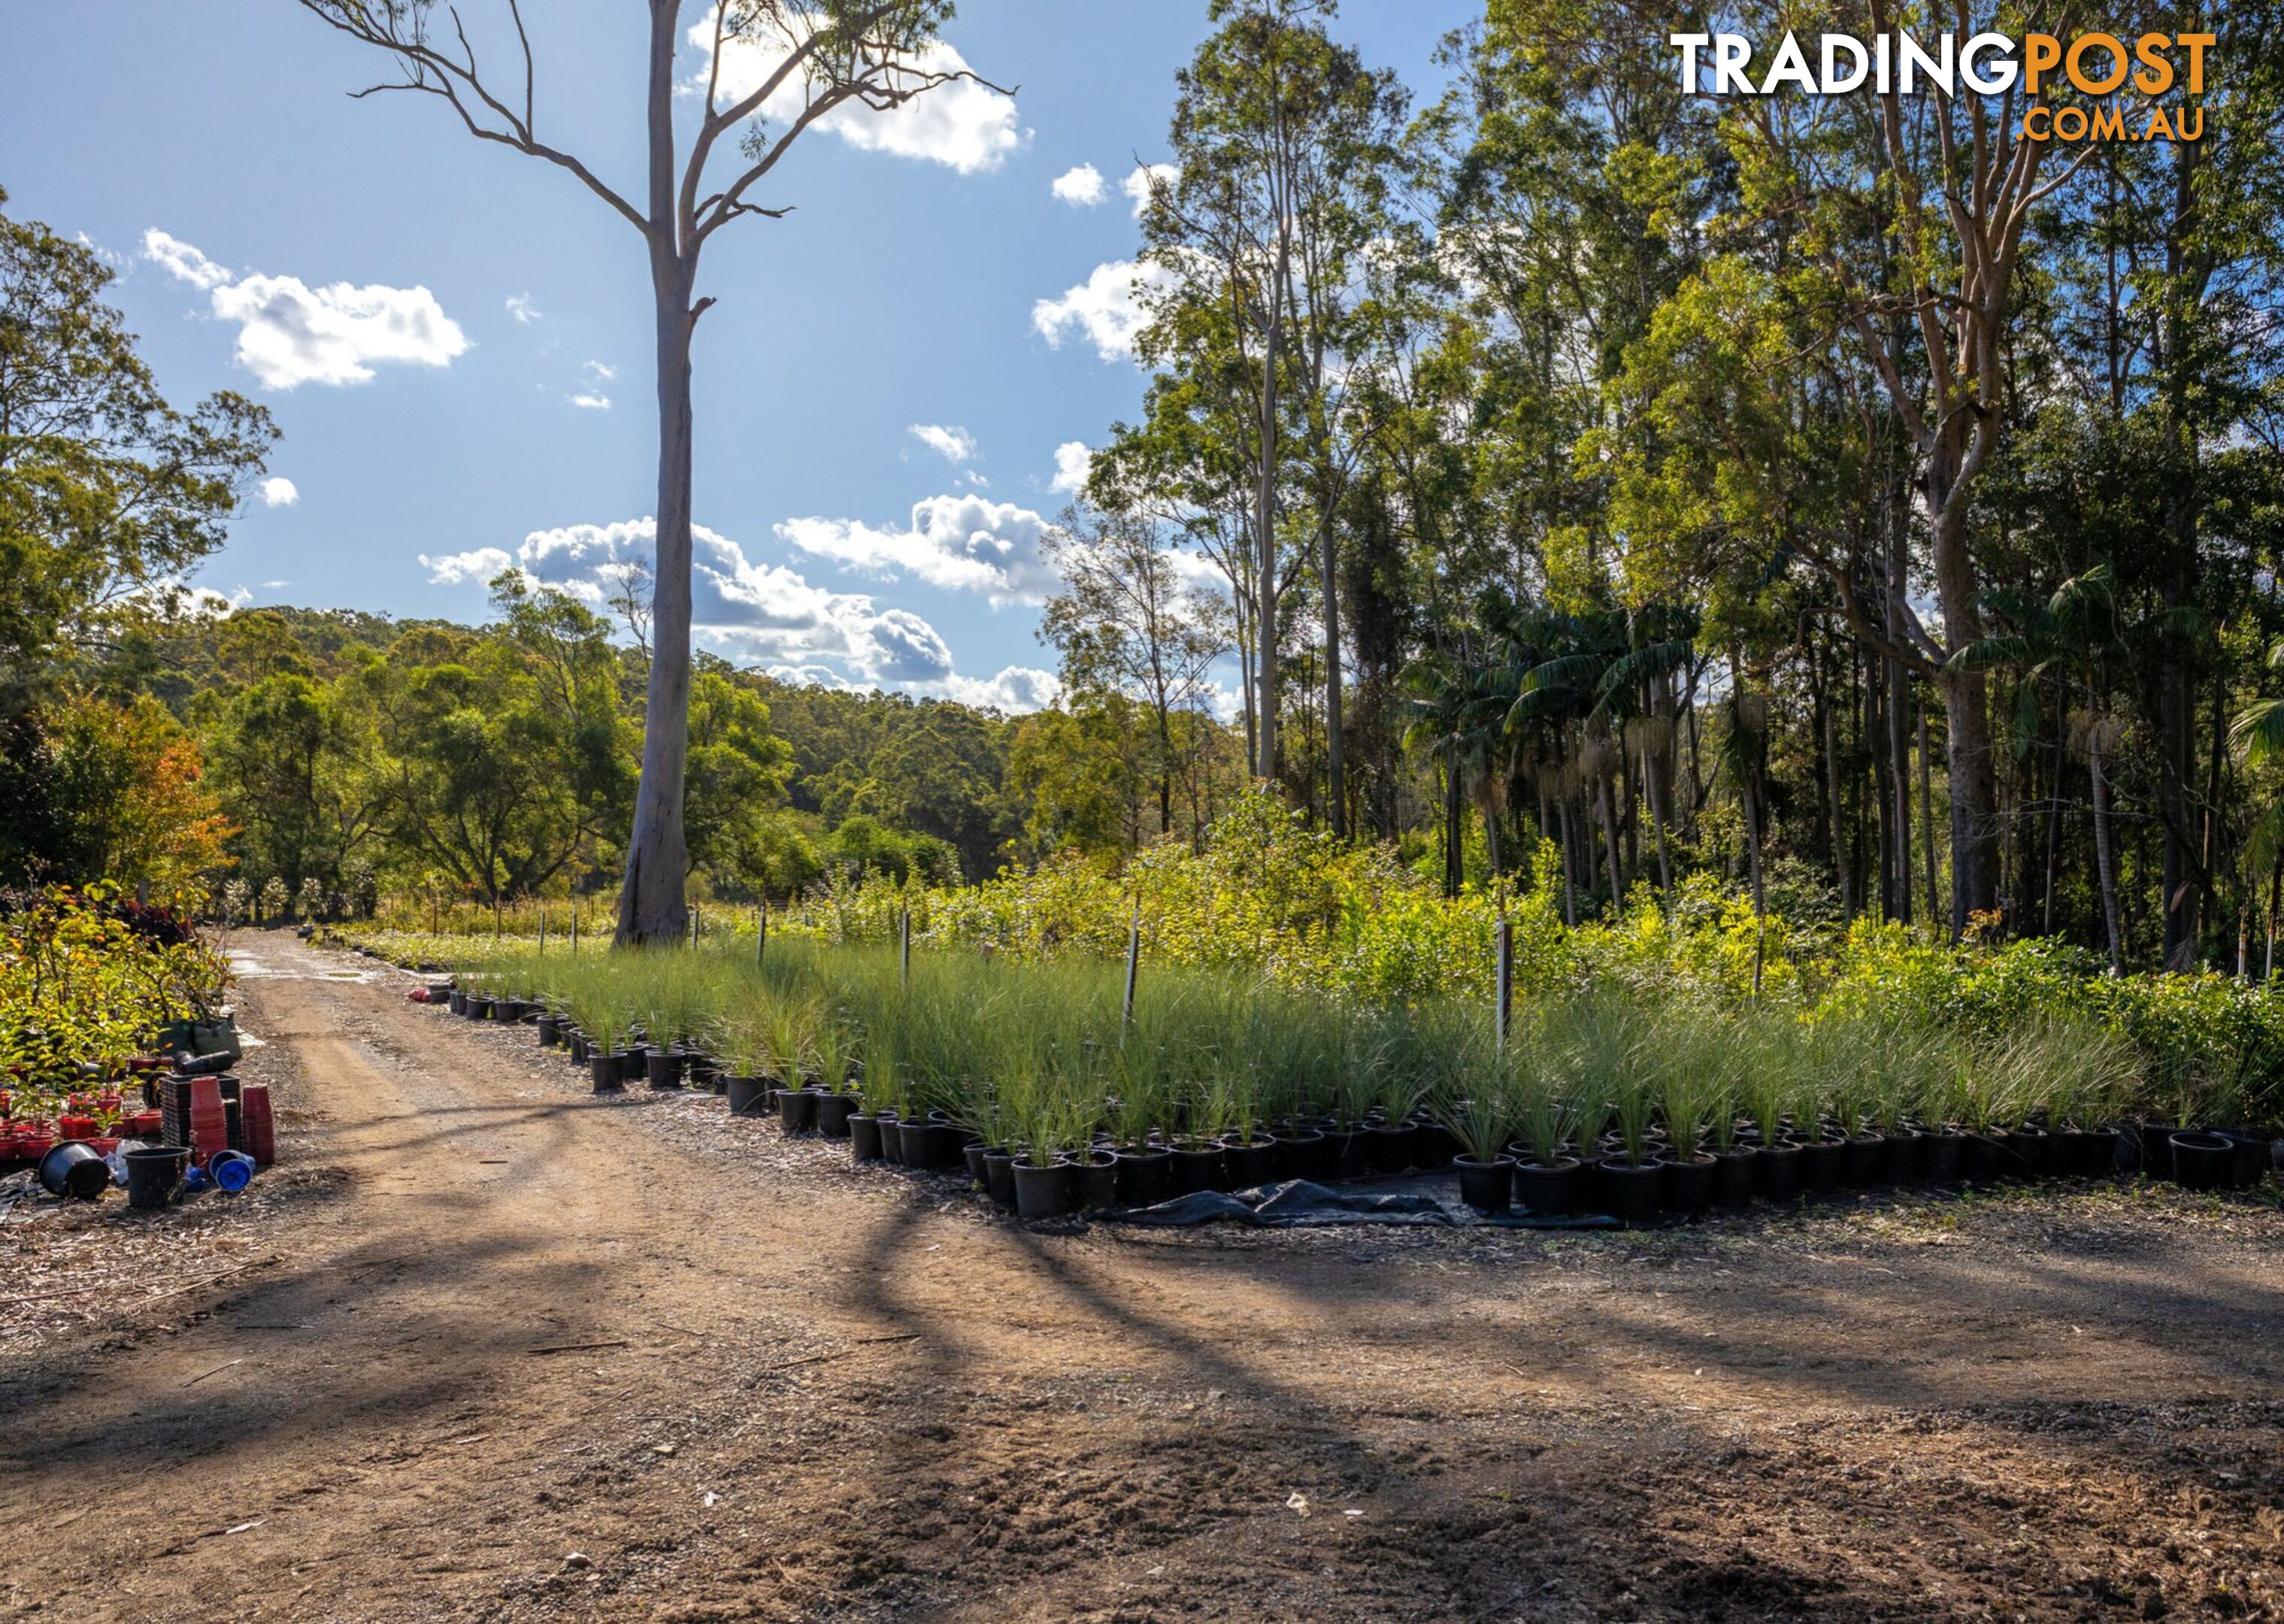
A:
[(495, 1350)]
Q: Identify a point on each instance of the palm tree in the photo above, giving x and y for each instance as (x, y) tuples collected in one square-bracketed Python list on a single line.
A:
[(2070, 638)]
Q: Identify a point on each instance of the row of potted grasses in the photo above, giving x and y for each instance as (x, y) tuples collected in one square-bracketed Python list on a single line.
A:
[(1047, 1061)]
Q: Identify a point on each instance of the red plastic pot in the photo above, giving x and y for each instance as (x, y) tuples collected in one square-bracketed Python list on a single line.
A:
[(75, 1127)]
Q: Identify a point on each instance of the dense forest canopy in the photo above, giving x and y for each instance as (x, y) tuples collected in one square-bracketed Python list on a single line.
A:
[(1840, 496)]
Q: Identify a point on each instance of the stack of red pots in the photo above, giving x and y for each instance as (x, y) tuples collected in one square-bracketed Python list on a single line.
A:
[(255, 1124), (209, 1122)]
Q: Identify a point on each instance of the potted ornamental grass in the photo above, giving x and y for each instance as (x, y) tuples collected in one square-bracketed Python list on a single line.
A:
[(741, 1043), (833, 1054)]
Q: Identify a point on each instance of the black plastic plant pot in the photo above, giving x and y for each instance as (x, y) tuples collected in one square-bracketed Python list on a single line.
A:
[(1435, 1145), (1094, 1182), (608, 1071), (1200, 1167), (511, 1011), (892, 1139), (575, 1041), (1981, 1158), (2250, 1165), (1042, 1192), (2154, 1141), (1487, 1186), (1776, 1171), (2200, 1162), (154, 1174), (1687, 1187), (1145, 1176), (974, 1155), (549, 1035), (834, 1112), (1866, 1154), (1303, 1153), (999, 1178), (2029, 1152), (864, 1136), (1249, 1164), (1630, 1190), (1943, 1155), (1733, 1175), (457, 1001), (634, 1064), (662, 1071), (1350, 1151), (927, 1147), (1824, 1166), (1549, 1192), (73, 1169), (1899, 1156), (796, 1110), (750, 1096), (1391, 1147)]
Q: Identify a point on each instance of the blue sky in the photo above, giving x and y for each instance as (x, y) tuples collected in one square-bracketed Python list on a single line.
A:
[(437, 323)]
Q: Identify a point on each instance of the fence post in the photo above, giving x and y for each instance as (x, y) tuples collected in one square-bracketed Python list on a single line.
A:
[(904, 944), (1505, 976), (575, 925), (542, 930), (1133, 966), (762, 933)]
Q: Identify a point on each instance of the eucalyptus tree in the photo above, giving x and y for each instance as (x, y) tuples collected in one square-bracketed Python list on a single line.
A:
[(108, 494), (811, 58), (1128, 620), (1283, 144)]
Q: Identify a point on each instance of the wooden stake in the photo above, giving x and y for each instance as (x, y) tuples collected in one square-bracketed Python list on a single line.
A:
[(905, 943), (762, 934), (1133, 964)]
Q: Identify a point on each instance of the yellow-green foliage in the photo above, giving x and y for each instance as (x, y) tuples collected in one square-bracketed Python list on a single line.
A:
[(82, 990)]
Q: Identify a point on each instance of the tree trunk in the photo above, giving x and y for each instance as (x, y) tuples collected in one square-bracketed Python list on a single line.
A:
[(1264, 538), (650, 905), (1610, 840), (2105, 867), (1335, 773), (1926, 815), (1454, 856)]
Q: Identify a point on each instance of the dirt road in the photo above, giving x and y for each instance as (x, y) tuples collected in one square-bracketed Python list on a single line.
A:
[(530, 1355)]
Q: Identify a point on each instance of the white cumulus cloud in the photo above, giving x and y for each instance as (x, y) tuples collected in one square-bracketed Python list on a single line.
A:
[(766, 615), (954, 445), (1106, 309), (1137, 185), (1017, 689), (965, 542), (278, 491), (454, 569), (1072, 463), (173, 254), (1081, 188), (961, 123), (290, 333)]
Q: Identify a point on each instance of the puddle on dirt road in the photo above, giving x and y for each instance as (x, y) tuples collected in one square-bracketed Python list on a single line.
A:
[(246, 967)]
